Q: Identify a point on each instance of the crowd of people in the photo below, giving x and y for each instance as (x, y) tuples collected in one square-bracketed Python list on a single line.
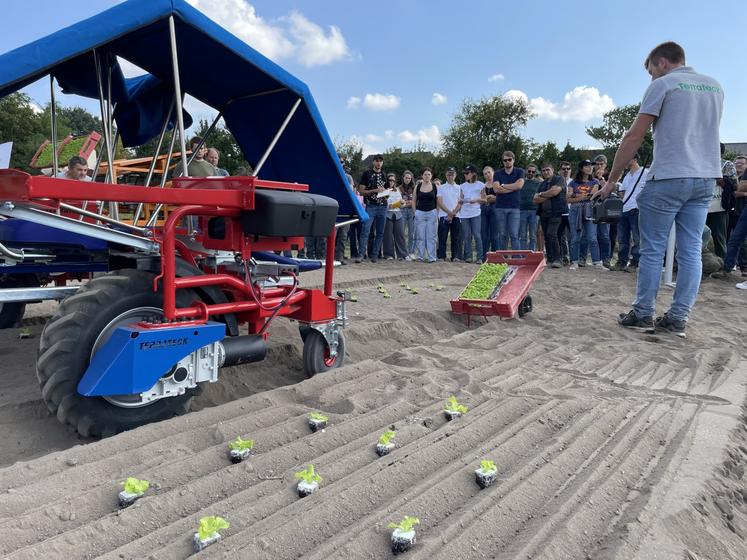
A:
[(543, 207)]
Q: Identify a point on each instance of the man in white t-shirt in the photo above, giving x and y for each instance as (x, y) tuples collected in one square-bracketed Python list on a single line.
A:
[(473, 196), (77, 170), (627, 227), (449, 203)]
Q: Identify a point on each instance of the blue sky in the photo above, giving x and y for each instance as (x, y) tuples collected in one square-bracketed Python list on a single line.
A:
[(392, 73)]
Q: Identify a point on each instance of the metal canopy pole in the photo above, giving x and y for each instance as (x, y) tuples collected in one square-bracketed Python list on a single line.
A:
[(53, 113), (279, 133), (154, 215), (178, 95), (104, 119), (152, 168)]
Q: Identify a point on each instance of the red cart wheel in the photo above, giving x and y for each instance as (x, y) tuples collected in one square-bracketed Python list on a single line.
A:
[(316, 356)]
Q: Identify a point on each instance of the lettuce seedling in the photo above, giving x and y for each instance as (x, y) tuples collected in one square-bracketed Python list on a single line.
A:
[(208, 531), (403, 536), (414, 291), (308, 481), (385, 444), (486, 474), (317, 421), (454, 409), (133, 489), (386, 295), (239, 449)]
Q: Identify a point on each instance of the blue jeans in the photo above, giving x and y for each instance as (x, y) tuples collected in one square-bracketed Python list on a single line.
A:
[(376, 215), (528, 229), (737, 237), (425, 239), (629, 237), (603, 238), (506, 227), (487, 229), (683, 202), (408, 215), (586, 236), (472, 227)]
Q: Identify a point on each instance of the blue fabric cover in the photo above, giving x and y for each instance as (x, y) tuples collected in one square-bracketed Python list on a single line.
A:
[(254, 93)]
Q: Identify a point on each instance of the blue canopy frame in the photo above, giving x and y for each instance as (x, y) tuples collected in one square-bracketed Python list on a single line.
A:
[(254, 94)]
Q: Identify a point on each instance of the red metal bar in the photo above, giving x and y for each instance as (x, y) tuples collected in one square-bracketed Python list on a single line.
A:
[(329, 263), (242, 306), (19, 186), (220, 183), (225, 280)]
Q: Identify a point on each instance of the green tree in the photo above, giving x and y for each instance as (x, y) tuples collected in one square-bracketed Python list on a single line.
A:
[(482, 130), (540, 153), (22, 125), (616, 123), (352, 151), (231, 157), (396, 161)]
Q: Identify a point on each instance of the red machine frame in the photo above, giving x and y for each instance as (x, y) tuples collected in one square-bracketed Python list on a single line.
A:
[(207, 197)]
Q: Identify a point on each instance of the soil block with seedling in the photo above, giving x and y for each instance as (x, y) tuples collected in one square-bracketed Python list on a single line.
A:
[(403, 536), (239, 449), (207, 533), (308, 481), (385, 443), (317, 421), (133, 489), (486, 474), (453, 409)]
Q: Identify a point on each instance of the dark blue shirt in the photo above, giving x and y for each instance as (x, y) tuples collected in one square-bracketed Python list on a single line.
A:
[(510, 200)]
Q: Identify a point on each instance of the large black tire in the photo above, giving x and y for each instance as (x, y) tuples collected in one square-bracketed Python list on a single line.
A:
[(316, 358), (66, 345), (11, 314)]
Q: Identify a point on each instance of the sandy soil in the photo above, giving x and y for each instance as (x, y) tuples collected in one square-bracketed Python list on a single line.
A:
[(609, 444)]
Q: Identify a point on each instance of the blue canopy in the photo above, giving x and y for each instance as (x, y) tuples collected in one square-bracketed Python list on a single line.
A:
[(254, 94)]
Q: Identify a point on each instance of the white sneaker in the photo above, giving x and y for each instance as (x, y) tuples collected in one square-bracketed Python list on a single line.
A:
[(408, 258), (742, 286), (600, 266), (573, 266)]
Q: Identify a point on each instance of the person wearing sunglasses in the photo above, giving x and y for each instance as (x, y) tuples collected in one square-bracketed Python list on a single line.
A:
[(564, 232), (527, 209), (507, 183)]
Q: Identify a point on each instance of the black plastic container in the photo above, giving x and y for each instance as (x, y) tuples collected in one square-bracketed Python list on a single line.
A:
[(290, 214)]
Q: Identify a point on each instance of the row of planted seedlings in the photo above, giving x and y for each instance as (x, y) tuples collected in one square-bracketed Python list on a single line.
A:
[(309, 481)]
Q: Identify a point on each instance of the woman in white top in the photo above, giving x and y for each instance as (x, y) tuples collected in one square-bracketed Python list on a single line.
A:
[(473, 196), (394, 230)]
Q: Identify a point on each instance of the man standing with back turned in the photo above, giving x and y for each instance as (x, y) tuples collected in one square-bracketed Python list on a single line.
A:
[(685, 109)]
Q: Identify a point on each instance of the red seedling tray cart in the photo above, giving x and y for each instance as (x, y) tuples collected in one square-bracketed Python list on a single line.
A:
[(514, 296)]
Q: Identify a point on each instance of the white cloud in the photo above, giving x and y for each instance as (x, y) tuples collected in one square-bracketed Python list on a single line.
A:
[(439, 99), (315, 48), (496, 77), (373, 138), (294, 36), (35, 107), (381, 101), (353, 102), (428, 135), (582, 103)]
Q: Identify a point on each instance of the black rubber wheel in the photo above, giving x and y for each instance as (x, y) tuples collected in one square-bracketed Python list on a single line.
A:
[(316, 358), (525, 306), (11, 314), (67, 343)]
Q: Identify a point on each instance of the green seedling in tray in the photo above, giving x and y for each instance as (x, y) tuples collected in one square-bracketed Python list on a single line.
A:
[(317, 421), (385, 444), (485, 281), (486, 474)]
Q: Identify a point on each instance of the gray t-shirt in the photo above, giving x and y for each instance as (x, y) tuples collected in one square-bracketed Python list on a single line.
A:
[(688, 108)]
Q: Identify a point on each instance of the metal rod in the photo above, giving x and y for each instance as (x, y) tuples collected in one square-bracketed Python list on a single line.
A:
[(104, 119), (258, 94), (20, 257), (113, 206), (8, 295), (153, 164), (154, 216), (178, 95), (53, 114), (283, 126), (99, 158), (346, 223), (101, 217)]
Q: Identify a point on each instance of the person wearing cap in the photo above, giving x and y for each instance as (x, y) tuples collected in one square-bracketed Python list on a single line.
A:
[(373, 183), (583, 230), (685, 109), (473, 197), (508, 182), (449, 204)]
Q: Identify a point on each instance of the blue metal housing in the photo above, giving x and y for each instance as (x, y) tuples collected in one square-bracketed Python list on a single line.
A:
[(133, 359)]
